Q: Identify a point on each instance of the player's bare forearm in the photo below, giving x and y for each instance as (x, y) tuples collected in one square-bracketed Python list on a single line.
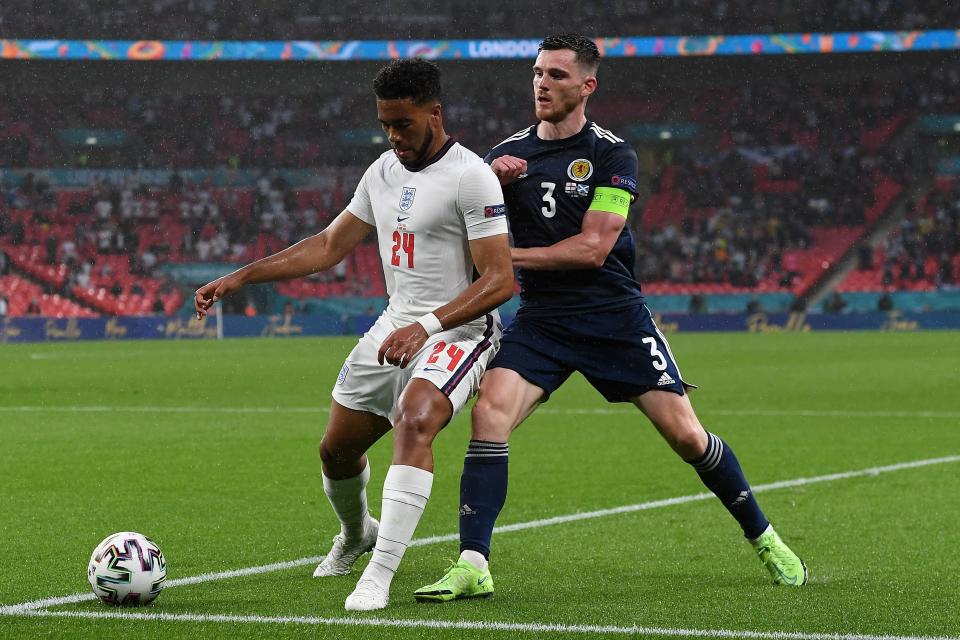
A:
[(486, 293), (575, 252), (313, 254), (586, 250), (308, 256), (301, 259)]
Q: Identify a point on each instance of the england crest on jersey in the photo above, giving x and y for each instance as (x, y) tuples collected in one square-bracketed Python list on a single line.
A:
[(406, 198)]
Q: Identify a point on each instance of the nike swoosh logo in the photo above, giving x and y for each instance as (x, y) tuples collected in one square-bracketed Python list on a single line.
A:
[(432, 369), (788, 579), (399, 219), (785, 577), (482, 580)]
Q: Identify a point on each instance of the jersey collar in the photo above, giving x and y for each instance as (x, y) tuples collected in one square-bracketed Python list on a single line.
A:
[(434, 158), (560, 141)]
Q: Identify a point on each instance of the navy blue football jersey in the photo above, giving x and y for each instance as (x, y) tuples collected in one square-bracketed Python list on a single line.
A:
[(547, 205)]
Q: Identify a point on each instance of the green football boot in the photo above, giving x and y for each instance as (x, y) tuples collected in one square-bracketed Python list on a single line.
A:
[(782, 563), (463, 580)]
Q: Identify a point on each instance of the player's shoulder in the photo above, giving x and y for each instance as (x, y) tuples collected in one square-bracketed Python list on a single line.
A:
[(517, 139), (461, 155), (382, 162), (606, 139), (464, 163), (611, 150)]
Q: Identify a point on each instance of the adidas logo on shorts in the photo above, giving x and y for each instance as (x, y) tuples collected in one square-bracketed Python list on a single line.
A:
[(665, 379)]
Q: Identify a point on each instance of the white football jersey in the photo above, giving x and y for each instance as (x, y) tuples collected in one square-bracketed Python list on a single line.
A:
[(424, 221)]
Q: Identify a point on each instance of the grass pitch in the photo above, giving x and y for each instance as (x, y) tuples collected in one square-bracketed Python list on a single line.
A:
[(210, 449)]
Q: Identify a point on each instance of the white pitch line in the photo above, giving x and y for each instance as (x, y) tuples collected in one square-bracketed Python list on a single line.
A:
[(27, 607), (599, 411), (99, 355), (465, 625), (148, 409)]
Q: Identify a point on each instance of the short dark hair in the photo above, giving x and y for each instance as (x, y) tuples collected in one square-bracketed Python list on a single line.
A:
[(586, 49), (415, 78)]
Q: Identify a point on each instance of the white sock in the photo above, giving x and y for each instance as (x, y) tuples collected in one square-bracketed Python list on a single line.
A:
[(475, 558), (405, 494), (349, 501)]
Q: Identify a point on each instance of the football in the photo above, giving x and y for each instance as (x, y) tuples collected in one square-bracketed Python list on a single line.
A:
[(127, 569)]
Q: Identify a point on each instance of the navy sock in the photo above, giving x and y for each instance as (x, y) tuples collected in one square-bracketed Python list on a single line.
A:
[(720, 470), (483, 491)]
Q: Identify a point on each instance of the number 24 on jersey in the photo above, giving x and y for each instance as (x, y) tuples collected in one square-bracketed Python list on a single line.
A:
[(402, 244)]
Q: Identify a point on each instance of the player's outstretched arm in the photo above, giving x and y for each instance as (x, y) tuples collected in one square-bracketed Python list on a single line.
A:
[(313, 254), (586, 250), (491, 256)]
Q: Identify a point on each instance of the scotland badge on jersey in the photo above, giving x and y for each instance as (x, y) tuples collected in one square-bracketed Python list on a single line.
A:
[(406, 198)]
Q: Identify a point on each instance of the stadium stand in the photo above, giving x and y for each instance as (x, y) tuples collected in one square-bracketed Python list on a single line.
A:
[(780, 178), (351, 19), (921, 254), (796, 176)]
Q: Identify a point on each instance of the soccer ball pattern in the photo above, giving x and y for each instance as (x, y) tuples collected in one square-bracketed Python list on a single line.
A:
[(127, 569)]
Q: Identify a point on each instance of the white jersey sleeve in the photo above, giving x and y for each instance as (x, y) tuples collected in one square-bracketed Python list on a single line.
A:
[(360, 205), (480, 201)]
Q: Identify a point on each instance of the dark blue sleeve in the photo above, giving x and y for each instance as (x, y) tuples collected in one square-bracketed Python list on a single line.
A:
[(618, 168), (493, 154)]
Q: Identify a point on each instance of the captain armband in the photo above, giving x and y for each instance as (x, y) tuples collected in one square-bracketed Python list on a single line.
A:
[(610, 199)]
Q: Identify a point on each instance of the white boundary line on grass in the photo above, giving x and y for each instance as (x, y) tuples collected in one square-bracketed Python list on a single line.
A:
[(27, 608), (600, 411), (465, 625)]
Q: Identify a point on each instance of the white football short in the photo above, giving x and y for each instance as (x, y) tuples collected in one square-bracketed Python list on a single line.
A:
[(454, 361)]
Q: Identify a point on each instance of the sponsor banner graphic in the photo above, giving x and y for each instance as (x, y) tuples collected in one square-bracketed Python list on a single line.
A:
[(234, 326), (624, 47)]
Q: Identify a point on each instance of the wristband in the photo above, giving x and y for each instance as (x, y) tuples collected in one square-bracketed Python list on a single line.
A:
[(430, 324)]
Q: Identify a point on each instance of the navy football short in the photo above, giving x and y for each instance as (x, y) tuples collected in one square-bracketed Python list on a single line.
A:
[(621, 352)]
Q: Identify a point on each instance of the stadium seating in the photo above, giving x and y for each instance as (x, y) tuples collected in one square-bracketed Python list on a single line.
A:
[(920, 254), (349, 19), (782, 177), (20, 293)]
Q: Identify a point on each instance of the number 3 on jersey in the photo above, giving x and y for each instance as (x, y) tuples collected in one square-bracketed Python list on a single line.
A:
[(402, 242), (550, 209)]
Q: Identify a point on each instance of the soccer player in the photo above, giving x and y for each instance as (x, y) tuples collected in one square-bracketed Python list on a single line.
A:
[(439, 214), (568, 185)]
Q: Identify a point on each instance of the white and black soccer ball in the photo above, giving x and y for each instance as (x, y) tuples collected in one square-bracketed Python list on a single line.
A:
[(127, 569)]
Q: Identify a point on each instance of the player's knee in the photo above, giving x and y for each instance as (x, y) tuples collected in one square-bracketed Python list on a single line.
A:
[(490, 422), (416, 430), (332, 456), (326, 453), (686, 437)]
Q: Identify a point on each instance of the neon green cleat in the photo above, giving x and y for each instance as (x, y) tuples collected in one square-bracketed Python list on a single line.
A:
[(463, 580), (782, 563)]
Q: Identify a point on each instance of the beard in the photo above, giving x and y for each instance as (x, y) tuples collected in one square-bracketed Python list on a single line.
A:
[(421, 152), (555, 113)]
